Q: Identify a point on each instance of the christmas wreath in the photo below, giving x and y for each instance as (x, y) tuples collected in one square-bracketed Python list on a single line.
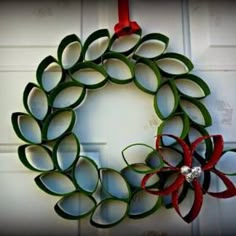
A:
[(156, 176)]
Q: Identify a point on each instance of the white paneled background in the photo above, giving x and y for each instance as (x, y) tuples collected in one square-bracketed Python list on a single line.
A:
[(30, 30)]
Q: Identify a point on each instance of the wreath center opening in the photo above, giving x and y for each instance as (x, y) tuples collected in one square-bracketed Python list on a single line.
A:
[(115, 116)]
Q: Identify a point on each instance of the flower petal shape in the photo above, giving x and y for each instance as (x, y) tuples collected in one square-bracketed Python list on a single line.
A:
[(119, 69), (138, 153), (125, 44), (85, 174), (36, 157), (96, 45), (216, 153), (109, 212), (55, 183), (197, 204), (69, 51), (66, 151), (143, 204), (172, 64), (166, 100), (114, 184), (196, 111), (67, 95), (230, 187), (49, 74), (58, 123), (35, 101), (151, 46), (26, 128), (192, 86), (75, 206), (147, 75), (89, 75)]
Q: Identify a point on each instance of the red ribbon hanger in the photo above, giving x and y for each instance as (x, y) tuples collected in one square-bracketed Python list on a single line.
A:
[(125, 26)]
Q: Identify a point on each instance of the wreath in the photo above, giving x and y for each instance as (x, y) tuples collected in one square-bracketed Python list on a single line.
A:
[(166, 174)]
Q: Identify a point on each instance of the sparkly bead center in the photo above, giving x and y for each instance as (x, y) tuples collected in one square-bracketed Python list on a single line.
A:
[(191, 173)]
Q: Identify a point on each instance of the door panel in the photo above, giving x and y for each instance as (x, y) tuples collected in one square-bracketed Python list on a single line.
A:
[(212, 34), (25, 209)]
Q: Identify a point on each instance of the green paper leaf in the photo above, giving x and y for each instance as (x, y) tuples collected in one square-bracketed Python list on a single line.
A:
[(143, 204), (35, 101), (36, 157), (177, 125), (114, 184), (89, 75), (75, 206), (55, 183), (49, 74), (172, 64), (196, 111), (125, 44), (66, 151), (108, 213), (69, 51), (96, 45), (137, 154), (166, 100), (147, 75), (58, 123), (119, 69), (151, 46), (26, 128), (85, 174), (192, 86), (67, 95)]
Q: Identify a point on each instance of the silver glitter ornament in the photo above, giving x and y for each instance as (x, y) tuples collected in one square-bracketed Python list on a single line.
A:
[(185, 170), (191, 173)]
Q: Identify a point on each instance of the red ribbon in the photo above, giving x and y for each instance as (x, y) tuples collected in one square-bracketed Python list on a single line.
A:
[(125, 26), (207, 167)]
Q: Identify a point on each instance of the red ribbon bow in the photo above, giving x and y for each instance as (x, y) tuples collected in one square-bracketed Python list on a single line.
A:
[(188, 173), (125, 26)]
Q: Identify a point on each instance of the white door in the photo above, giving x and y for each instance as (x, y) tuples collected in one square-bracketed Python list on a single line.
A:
[(117, 115)]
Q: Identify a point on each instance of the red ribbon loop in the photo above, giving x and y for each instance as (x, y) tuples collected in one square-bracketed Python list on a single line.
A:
[(197, 204), (125, 26)]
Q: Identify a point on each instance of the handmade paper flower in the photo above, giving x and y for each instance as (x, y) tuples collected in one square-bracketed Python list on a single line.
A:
[(190, 174)]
